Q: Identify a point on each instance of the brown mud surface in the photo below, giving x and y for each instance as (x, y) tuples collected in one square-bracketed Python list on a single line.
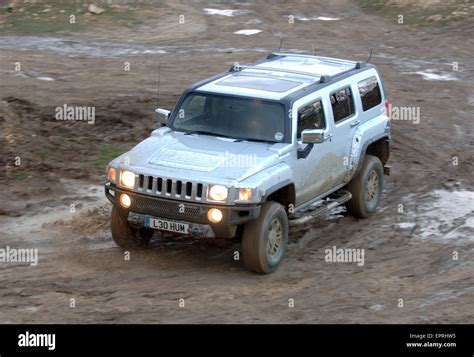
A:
[(408, 255)]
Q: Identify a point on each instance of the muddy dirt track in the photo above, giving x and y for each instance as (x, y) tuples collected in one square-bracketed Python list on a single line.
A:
[(425, 222)]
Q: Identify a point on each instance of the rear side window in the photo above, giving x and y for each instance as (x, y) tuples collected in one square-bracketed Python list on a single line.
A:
[(342, 104), (311, 116), (370, 95)]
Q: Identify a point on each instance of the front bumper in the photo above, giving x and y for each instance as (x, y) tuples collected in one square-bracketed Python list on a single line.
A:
[(195, 214)]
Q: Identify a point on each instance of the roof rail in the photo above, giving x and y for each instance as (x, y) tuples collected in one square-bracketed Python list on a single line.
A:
[(324, 79), (271, 55), (322, 58), (276, 54), (236, 68)]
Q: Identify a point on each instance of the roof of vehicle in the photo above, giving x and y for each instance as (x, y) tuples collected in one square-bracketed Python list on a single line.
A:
[(277, 76)]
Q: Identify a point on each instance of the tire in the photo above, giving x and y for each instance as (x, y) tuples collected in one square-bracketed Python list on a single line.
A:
[(258, 253), (366, 188), (125, 236)]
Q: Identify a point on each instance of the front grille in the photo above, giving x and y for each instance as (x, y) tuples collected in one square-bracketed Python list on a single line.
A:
[(167, 208), (158, 186)]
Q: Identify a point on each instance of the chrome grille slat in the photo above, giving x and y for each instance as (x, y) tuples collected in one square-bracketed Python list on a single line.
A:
[(166, 187), (173, 188)]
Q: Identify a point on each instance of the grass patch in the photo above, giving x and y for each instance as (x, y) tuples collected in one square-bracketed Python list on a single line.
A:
[(18, 175), (41, 17), (43, 153), (19, 113), (23, 25), (49, 16), (106, 154), (418, 15)]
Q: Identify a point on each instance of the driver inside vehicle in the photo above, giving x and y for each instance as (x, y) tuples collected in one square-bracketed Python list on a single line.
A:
[(263, 123)]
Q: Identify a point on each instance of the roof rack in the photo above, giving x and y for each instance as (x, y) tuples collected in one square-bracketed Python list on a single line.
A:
[(356, 64), (322, 58), (322, 78), (237, 68)]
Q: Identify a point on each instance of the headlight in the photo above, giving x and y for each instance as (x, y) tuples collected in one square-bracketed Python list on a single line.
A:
[(218, 193), (127, 179), (112, 174), (245, 194)]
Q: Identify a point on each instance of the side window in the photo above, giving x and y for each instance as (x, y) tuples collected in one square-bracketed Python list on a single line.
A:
[(370, 95), (311, 117), (342, 104)]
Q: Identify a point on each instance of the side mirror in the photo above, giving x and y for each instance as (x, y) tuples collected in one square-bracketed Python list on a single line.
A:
[(162, 116), (312, 136)]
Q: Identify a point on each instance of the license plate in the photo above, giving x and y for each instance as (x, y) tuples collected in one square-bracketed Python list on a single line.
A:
[(166, 225)]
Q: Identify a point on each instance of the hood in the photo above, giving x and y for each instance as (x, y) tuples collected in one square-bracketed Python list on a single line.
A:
[(175, 154)]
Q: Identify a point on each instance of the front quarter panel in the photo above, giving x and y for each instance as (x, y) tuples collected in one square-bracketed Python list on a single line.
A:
[(270, 180)]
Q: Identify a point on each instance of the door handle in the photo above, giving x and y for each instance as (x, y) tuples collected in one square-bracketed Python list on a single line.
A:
[(355, 122)]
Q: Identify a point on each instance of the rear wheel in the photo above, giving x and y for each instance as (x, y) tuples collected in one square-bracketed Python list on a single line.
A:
[(264, 240), (366, 188), (125, 236)]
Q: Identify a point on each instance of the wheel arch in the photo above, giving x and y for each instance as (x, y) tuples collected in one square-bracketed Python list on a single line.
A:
[(283, 194), (379, 147)]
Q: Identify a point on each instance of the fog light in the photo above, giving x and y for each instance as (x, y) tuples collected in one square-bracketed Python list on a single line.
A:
[(214, 215), (125, 200)]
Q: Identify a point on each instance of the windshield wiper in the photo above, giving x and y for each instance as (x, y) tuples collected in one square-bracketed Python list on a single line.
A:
[(212, 134), (203, 132), (262, 141)]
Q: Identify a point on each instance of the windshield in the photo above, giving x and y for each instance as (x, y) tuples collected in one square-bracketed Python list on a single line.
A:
[(240, 118)]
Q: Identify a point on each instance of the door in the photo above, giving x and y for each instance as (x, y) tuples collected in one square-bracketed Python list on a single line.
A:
[(345, 119), (313, 172)]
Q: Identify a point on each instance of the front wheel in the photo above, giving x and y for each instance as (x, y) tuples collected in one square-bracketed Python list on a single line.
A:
[(125, 236), (366, 188), (264, 240)]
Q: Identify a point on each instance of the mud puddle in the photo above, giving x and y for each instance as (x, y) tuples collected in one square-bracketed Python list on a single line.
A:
[(445, 215), (33, 222)]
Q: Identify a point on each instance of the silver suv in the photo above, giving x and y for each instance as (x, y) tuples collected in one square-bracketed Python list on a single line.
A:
[(252, 151)]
